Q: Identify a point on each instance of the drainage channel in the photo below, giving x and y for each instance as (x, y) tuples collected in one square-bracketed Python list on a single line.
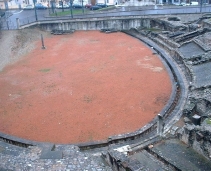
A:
[(16, 143)]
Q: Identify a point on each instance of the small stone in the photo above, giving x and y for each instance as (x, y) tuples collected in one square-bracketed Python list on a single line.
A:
[(150, 146)]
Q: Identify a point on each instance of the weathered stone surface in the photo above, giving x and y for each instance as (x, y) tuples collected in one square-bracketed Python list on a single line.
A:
[(195, 50), (51, 155), (187, 120), (193, 57), (180, 156)]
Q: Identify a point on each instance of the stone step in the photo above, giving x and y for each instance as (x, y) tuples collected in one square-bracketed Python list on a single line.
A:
[(180, 156), (145, 143), (163, 44), (146, 161), (168, 41)]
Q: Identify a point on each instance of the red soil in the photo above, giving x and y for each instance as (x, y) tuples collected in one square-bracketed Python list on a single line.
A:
[(83, 87)]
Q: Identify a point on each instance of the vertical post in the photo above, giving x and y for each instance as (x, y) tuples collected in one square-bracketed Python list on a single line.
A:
[(63, 26), (160, 125), (53, 6), (18, 23), (83, 6), (7, 24), (71, 8), (6, 5), (35, 10), (201, 2), (43, 47), (62, 6), (155, 7)]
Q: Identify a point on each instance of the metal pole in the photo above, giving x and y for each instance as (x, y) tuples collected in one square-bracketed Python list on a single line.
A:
[(201, 1), (62, 6), (83, 6), (18, 23), (43, 46), (52, 7), (35, 10), (71, 8), (7, 25)]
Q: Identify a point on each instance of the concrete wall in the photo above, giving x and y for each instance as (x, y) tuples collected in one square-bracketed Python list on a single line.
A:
[(93, 24)]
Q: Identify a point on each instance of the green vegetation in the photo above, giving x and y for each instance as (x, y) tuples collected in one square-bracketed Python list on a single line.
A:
[(45, 70), (208, 121), (79, 11), (108, 8), (152, 29), (68, 12)]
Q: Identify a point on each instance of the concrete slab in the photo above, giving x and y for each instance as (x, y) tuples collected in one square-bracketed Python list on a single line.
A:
[(184, 158), (51, 155), (48, 153), (190, 49), (201, 74)]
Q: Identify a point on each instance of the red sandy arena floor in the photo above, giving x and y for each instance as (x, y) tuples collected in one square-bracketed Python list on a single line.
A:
[(85, 86)]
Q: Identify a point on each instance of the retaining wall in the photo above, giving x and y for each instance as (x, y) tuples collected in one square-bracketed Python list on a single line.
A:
[(118, 23)]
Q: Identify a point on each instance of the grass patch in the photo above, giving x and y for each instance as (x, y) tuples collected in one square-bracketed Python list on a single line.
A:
[(208, 121), (68, 12), (79, 11), (152, 29), (107, 8), (45, 70)]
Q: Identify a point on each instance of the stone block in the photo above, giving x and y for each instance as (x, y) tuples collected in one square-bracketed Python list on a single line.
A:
[(196, 119), (51, 155)]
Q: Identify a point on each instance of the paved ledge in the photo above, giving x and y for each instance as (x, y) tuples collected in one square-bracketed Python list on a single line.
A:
[(32, 158), (181, 156)]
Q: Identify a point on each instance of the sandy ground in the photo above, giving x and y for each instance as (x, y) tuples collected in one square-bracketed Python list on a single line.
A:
[(14, 44), (83, 87)]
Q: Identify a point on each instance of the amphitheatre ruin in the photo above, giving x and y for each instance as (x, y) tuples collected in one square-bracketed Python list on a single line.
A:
[(98, 98)]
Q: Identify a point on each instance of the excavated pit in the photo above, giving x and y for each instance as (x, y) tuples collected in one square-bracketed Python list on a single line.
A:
[(83, 87)]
